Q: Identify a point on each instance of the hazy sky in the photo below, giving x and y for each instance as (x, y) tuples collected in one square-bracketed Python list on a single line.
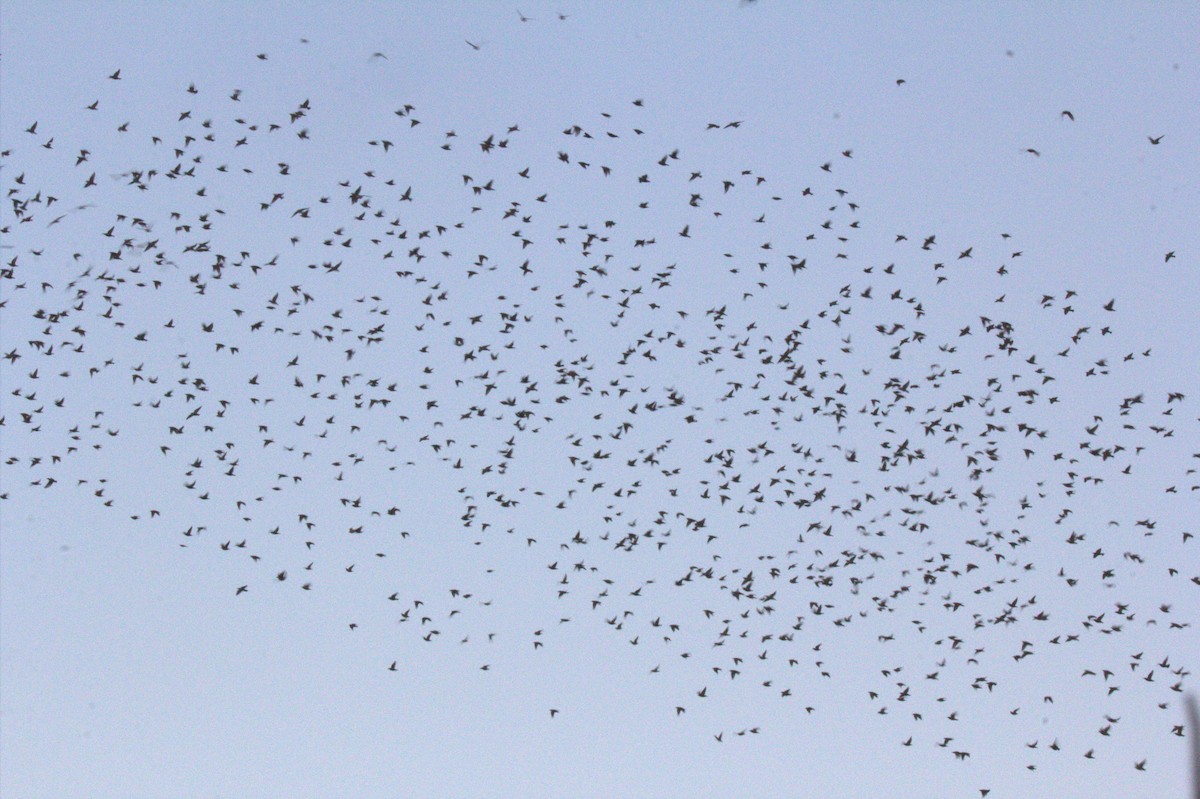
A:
[(598, 399)]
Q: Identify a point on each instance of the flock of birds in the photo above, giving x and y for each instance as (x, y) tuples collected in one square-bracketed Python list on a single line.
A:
[(733, 423)]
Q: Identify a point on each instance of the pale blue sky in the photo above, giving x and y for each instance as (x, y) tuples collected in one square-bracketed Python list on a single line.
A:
[(131, 666)]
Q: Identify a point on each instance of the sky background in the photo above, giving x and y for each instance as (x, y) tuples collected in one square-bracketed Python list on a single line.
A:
[(131, 666)]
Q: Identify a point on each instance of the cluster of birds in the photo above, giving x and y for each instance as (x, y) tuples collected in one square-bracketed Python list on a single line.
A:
[(730, 422)]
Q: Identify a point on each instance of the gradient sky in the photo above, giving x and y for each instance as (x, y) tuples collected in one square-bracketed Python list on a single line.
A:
[(131, 666)]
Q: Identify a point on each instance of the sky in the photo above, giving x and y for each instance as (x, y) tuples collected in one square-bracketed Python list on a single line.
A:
[(592, 399)]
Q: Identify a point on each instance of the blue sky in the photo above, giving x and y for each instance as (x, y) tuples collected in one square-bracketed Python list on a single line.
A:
[(571, 385)]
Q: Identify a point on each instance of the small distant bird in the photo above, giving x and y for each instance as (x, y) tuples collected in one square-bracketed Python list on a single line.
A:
[(1068, 115), (1155, 139)]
